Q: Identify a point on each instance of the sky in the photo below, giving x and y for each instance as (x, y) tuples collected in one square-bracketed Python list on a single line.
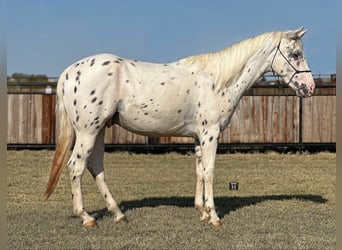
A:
[(45, 36)]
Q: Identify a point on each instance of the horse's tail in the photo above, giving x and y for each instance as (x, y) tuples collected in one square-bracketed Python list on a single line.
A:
[(64, 141)]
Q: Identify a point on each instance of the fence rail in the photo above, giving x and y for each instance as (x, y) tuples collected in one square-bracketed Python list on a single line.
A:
[(265, 116)]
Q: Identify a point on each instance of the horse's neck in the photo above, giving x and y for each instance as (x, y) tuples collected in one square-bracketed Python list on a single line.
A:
[(253, 69), (247, 70), (257, 65), (244, 61)]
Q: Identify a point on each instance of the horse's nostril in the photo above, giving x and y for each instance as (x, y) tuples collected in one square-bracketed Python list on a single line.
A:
[(305, 88)]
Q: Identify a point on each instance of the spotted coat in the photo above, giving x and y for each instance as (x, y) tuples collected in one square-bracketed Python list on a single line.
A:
[(194, 97)]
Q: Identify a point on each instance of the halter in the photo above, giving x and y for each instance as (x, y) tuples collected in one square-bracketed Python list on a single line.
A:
[(293, 67)]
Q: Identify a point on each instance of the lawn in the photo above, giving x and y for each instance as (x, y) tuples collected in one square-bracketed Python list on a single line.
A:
[(284, 201)]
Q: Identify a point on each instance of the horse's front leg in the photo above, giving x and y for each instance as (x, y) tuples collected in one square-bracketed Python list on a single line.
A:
[(199, 195), (208, 148)]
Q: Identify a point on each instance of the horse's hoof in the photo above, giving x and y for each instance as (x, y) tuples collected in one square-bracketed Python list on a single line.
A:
[(205, 219), (217, 223), (121, 219), (89, 224)]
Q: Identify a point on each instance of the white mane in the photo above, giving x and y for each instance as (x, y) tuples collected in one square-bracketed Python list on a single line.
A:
[(225, 64)]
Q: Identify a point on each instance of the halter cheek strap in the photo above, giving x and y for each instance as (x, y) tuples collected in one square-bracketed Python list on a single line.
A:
[(293, 67)]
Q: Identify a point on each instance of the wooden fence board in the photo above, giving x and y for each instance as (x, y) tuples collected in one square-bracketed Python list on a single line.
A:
[(258, 119), (13, 118), (23, 118), (35, 132), (319, 119), (47, 119)]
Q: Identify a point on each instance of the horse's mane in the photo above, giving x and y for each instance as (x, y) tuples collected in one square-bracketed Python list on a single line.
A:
[(225, 64)]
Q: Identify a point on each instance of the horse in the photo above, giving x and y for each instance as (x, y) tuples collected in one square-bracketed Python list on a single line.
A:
[(193, 97)]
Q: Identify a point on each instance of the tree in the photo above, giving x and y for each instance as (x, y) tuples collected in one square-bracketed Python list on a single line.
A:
[(30, 78)]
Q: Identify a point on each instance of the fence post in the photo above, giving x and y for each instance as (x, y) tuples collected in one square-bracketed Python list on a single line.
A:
[(47, 119), (300, 125)]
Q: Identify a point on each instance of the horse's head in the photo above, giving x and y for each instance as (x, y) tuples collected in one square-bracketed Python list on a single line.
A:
[(289, 62)]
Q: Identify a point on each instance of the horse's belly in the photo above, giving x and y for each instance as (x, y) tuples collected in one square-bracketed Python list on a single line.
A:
[(152, 124), (159, 106)]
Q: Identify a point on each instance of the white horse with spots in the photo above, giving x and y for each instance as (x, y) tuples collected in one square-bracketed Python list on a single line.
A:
[(195, 96)]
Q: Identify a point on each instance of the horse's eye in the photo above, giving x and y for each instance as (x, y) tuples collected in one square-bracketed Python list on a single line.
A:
[(296, 55)]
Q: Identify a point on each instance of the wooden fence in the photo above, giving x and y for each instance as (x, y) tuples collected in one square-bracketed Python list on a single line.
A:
[(264, 115)]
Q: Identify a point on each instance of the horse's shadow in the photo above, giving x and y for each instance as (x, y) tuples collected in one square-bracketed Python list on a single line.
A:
[(224, 205)]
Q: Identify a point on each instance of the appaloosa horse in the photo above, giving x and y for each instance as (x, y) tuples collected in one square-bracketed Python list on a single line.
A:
[(195, 96)]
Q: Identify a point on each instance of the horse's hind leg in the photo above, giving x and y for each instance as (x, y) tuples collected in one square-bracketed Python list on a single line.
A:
[(95, 166), (83, 148)]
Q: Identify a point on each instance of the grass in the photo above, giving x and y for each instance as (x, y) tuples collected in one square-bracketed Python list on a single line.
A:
[(284, 201)]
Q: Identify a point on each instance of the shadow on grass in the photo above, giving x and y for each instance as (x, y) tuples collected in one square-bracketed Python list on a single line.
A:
[(224, 205)]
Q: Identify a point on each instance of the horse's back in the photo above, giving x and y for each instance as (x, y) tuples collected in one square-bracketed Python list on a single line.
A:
[(148, 98)]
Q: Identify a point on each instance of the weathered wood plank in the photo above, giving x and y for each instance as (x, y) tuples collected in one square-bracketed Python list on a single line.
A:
[(258, 119)]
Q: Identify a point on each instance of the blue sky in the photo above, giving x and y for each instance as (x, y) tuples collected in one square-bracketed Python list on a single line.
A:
[(45, 36)]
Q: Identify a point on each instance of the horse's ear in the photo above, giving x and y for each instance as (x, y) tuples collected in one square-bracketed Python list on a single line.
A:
[(300, 32), (295, 34)]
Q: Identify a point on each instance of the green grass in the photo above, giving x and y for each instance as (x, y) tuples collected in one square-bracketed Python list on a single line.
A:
[(283, 202)]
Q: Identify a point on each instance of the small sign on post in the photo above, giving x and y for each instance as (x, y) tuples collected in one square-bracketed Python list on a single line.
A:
[(48, 90), (233, 185)]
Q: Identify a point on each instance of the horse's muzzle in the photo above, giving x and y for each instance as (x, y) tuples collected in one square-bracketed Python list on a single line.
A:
[(303, 89)]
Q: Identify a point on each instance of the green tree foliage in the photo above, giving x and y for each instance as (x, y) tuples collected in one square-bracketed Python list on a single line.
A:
[(29, 78)]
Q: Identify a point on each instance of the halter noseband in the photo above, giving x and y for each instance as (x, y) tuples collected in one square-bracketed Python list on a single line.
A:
[(293, 67)]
